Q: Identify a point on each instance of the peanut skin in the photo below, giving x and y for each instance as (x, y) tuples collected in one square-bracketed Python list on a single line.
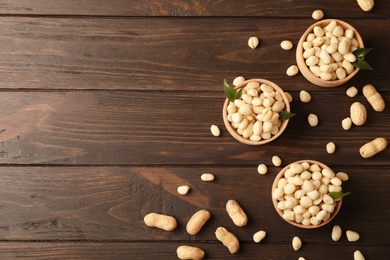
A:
[(197, 221), (189, 252), (374, 98), (228, 239), (236, 213), (161, 221), (371, 148)]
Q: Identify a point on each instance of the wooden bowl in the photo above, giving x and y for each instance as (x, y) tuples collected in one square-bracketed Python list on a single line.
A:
[(280, 212), (302, 64), (240, 138)]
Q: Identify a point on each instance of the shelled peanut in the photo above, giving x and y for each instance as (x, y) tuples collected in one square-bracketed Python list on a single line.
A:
[(302, 193), (255, 116), (328, 51)]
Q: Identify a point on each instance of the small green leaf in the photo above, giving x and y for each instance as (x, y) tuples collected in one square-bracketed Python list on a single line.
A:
[(361, 52), (285, 115), (230, 92), (338, 195), (362, 64)]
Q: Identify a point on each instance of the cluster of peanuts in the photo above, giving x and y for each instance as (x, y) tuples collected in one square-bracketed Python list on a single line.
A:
[(302, 193), (198, 220), (328, 51), (255, 116)]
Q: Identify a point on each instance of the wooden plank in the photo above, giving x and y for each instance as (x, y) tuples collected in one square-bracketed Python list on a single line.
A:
[(148, 128), (96, 250), (155, 54), (281, 8), (109, 203)]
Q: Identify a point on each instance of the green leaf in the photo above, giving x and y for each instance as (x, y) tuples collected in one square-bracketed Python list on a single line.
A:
[(285, 115), (362, 64), (361, 52), (338, 195), (230, 92)]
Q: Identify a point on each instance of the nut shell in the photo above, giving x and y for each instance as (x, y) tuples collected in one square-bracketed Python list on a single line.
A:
[(358, 113)]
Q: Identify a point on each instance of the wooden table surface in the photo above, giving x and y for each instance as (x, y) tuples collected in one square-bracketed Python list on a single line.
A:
[(106, 108)]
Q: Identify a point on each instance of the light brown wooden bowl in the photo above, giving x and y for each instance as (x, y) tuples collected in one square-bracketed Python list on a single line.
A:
[(280, 212), (234, 133), (302, 64)]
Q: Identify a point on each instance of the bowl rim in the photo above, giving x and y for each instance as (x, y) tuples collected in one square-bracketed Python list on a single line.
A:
[(280, 212), (234, 133), (305, 71)]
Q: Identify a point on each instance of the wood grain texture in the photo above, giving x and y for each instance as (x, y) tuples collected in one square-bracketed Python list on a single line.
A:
[(123, 250), (216, 8), (134, 128), (109, 203), (163, 54)]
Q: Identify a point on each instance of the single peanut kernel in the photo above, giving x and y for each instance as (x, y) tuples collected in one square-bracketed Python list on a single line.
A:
[(346, 123), (313, 120), (207, 177), (215, 130), (286, 45), (352, 236), (258, 236), (336, 233), (292, 70), (296, 243), (238, 80), (352, 91), (276, 161), (304, 96), (253, 42), (357, 255), (317, 15), (330, 147), (366, 5), (262, 169), (183, 190)]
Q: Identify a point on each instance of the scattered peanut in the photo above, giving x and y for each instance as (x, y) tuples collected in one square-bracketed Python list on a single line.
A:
[(346, 123), (292, 70), (313, 120), (197, 221), (276, 161), (236, 213), (352, 236), (304, 96), (330, 147), (262, 169), (238, 80), (286, 45), (215, 130), (228, 239), (258, 236), (336, 233), (189, 252), (366, 5), (358, 113), (357, 255), (161, 221), (253, 42), (301, 258), (371, 148), (183, 190), (352, 91), (317, 15), (207, 177), (289, 97), (296, 243), (374, 98), (342, 176)]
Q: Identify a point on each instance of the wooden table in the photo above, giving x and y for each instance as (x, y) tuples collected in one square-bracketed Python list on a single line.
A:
[(106, 108)]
